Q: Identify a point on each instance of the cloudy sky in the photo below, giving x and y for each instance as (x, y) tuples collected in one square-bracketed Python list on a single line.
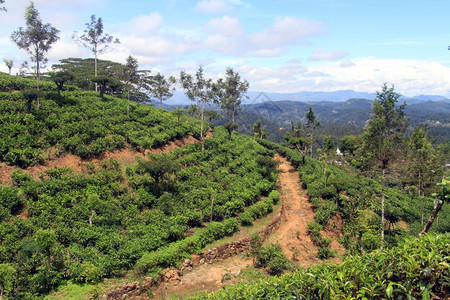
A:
[(278, 46)]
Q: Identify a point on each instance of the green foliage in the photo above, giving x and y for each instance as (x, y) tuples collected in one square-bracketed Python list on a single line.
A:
[(7, 279), (260, 208), (352, 197), (171, 255), (106, 221), (37, 38), (272, 258), (417, 268), (80, 123)]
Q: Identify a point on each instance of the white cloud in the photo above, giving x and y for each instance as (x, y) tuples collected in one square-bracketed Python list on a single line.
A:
[(213, 7), (227, 36), (288, 31), (142, 25), (346, 63), (66, 48), (410, 77), (316, 74), (224, 26), (320, 54), (222, 44)]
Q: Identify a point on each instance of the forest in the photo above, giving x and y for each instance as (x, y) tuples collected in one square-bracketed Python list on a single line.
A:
[(98, 184)]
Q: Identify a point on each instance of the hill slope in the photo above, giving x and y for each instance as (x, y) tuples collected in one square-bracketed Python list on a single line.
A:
[(354, 112), (105, 216)]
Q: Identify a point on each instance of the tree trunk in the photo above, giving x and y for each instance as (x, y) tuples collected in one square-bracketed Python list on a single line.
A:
[(421, 196), (437, 208), (202, 139), (95, 69), (38, 72), (128, 105), (383, 183)]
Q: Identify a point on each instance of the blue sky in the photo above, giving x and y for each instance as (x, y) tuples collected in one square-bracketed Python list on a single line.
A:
[(278, 46)]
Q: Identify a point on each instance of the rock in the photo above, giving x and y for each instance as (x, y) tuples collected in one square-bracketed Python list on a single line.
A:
[(187, 262)]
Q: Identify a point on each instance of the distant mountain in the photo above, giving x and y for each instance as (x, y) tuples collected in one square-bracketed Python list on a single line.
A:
[(354, 112), (336, 96), (254, 97)]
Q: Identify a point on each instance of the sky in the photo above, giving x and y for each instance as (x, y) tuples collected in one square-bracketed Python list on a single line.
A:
[(277, 46)]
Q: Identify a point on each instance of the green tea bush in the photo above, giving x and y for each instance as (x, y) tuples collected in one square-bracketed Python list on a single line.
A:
[(415, 269), (272, 258), (348, 195)]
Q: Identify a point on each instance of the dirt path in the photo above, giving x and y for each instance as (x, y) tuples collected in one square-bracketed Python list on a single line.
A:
[(203, 278), (292, 234)]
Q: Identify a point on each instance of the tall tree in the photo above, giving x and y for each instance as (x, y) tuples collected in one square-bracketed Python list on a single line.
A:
[(298, 139), (9, 64), (233, 92), (2, 7), (383, 137), (424, 166), (37, 38), (311, 124), (259, 130), (129, 75), (162, 87), (200, 90), (95, 40)]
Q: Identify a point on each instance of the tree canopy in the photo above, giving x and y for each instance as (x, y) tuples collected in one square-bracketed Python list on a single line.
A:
[(95, 39), (37, 38)]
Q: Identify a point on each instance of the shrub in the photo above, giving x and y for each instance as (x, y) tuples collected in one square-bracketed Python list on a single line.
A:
[(272, 258)]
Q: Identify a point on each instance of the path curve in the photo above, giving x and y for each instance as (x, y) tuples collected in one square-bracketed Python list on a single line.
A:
[(291, 234)]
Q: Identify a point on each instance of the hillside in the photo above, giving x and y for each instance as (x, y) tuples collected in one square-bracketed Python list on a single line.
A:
[(90, 193), (354, 112), (105, 216)]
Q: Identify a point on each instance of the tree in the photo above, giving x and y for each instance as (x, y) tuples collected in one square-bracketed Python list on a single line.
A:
[(9, 64), (328, 145), (232, 92), (193, 111), (60, 78), (383, 137), (212, 115), (298, 139), (162, 88), (4, 9), (230, 127), (349, 144), (95, 40), (103, 82), (178, 112), (424, 163), (129, 75), (202, 91), (441, 197), (311, 124), (259, 130), (37, 38)]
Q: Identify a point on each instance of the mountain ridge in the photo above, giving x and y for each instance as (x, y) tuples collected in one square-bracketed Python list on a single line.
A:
[(254, 97)]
